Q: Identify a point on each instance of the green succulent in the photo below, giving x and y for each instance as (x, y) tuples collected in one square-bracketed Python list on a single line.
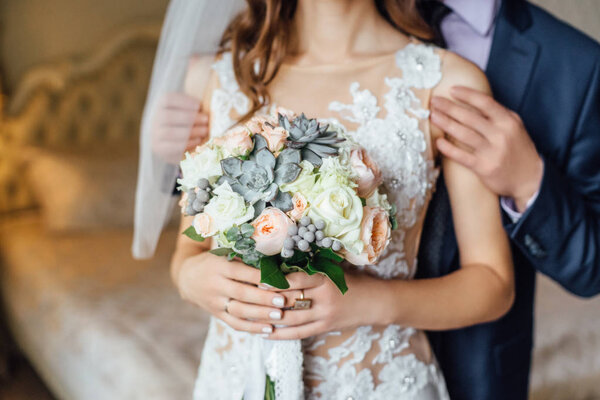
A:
[(257, 179), (310, 137)]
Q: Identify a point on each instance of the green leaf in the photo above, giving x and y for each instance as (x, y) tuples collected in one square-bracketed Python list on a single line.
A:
[(247, 230), (252, 258), (310, 268), (393, 222), (192, 234), (271, 274), (245, 244), (334, 272), (363, 201), (232, 255), (233, 234), (299, 257), (269, 389), (290, 268), (221, 251), (329, 255)]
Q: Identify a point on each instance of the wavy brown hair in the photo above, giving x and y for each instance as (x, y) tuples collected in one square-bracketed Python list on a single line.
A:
[(262, 36)]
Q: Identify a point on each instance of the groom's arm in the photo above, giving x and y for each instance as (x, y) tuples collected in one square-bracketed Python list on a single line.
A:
[(559, 230)]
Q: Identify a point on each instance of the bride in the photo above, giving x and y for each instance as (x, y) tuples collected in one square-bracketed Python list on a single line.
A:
[(366, 65)]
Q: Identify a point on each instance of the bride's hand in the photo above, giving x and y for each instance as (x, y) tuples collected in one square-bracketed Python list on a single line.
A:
[(179, 119), (228, 290), (330, 310)]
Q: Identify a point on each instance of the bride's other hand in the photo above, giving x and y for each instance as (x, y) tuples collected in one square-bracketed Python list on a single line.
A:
[(330, 310), (179, 119), (226, 289)]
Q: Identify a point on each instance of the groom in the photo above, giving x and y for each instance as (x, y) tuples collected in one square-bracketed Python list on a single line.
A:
[(544, 162)]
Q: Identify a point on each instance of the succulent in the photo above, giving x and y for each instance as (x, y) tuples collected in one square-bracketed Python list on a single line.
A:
[(258, 178), (312, 138)]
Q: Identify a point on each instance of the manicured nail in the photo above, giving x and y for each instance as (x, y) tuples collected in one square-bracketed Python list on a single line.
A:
[(278, 301), (275, 315), (267, 329), (265, 286)]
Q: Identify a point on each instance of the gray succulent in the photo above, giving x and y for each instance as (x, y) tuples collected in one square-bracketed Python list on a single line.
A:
[(310, 137), (258, 178)]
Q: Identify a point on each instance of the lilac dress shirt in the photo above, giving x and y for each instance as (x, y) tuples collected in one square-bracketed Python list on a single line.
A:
[(468, 31)]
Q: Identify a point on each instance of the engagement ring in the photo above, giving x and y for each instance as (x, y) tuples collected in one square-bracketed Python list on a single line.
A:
[(302, 303)]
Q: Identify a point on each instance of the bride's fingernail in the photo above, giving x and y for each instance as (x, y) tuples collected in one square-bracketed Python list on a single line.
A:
[(278, 301), (267, 329), (275, 315), (265, 286)]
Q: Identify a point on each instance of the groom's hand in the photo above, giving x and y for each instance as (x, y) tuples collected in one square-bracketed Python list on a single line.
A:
[(490, 140)]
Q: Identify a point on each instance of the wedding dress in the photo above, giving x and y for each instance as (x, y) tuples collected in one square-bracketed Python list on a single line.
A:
[(382, 103)]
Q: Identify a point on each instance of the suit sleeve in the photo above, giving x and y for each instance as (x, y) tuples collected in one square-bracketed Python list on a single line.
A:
[(560, 232)]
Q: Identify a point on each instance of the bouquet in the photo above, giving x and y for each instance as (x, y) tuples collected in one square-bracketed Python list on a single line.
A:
[(286, 193)]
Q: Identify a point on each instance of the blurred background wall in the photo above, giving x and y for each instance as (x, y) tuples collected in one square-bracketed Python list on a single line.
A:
[(36, 31)]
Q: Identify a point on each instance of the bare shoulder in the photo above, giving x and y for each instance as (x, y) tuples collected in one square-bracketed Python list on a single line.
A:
[(198, 74), (200, 78), (458, 71)]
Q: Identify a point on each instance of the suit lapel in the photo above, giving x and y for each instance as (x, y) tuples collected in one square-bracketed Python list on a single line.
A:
[(512, 57), (510, 67)]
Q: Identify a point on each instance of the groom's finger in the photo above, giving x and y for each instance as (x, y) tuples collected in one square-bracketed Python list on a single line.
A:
[(483, 102), (468, 117), (457, 154), (462, 133)]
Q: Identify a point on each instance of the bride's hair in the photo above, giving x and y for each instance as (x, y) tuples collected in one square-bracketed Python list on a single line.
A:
[(260, 38)]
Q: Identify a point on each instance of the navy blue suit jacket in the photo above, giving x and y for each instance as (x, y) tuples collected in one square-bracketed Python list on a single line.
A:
[(549, 73)]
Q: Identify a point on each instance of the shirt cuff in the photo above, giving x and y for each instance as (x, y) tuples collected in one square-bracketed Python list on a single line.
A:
[(510, 208)]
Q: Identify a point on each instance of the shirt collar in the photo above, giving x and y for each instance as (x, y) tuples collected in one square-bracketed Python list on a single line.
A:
[(479, 14)]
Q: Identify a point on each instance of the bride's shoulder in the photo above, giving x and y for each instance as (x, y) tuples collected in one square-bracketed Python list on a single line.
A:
[(201, 77), (458, 71)]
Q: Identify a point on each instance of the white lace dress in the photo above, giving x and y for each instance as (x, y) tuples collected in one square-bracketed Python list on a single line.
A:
[(370, 362)]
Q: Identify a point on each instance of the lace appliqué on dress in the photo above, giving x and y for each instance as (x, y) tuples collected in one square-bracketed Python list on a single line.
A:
[(226, 98), (399, 146)]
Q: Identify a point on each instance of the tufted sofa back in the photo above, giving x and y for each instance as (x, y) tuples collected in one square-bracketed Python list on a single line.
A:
[(90, 103)]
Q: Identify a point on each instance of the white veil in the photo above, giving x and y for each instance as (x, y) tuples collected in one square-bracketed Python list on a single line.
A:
[(191, 28)]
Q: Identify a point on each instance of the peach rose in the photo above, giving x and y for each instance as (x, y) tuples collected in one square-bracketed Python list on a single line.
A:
[(375, 232), (369, 174), (275, 137), (270, 230), (300, 205), (256, 124), (285, 112), (203, 224), (236, 141)]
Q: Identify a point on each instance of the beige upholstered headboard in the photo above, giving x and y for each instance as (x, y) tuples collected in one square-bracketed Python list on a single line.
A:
[(76, 104)]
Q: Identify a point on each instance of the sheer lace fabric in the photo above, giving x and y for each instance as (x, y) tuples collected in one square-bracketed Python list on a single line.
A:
[(382, 102)]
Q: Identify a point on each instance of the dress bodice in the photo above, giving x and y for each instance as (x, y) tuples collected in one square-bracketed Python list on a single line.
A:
[(382, 103)]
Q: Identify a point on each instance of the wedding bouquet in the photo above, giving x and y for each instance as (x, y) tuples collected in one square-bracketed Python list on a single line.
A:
[(287, 193)]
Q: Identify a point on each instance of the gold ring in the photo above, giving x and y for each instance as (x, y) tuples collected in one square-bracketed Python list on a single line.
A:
[(227, 305), (302, 303)]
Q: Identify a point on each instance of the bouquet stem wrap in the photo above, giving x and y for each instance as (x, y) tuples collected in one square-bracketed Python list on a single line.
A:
[(280, 359)]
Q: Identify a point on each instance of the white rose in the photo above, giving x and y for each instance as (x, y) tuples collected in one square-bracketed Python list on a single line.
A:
[(333, 173), (378, 200), (342, 211), (304, 183), (227, 208), (205, 162)]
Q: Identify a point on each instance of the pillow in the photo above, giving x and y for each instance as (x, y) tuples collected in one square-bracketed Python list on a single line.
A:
[(83, 191)]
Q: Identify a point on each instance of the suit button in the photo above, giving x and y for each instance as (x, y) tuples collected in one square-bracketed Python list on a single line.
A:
[(534, 247)]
